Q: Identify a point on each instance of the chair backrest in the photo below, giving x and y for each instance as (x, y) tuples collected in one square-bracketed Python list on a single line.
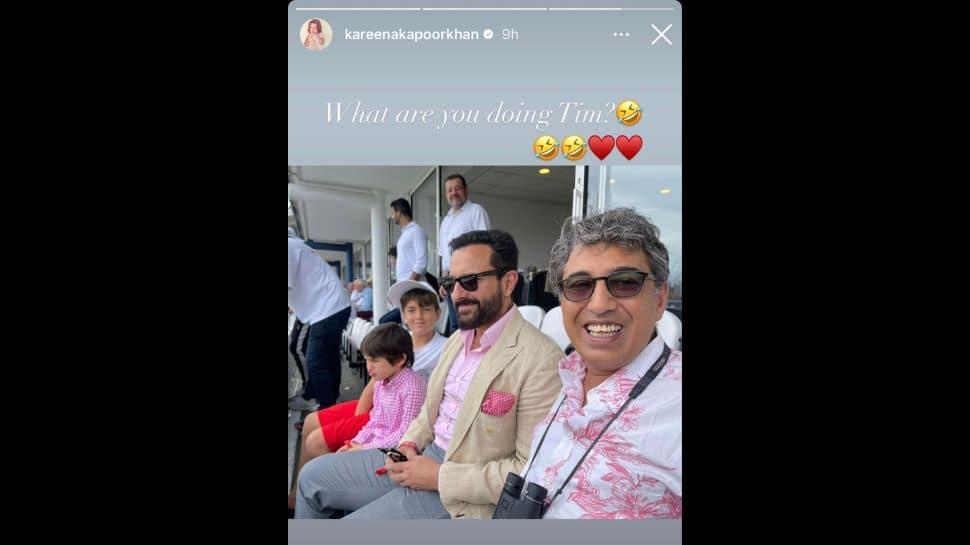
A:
[(364, 330), (553, 328), (670, 329), (356, 337), (533, 314), (360, 330)]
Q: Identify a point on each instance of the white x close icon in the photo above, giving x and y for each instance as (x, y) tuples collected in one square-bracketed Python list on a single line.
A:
[(660, 34)]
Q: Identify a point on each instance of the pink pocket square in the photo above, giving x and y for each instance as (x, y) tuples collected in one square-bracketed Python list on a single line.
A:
[(497, 403)]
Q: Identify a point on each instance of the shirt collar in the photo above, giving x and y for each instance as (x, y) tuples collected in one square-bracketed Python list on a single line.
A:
[(451, 211), (572, 368), (491, 334), (394, 381)]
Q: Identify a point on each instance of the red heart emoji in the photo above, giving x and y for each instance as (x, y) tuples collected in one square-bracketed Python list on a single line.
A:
[(629, 146), (601, 147)]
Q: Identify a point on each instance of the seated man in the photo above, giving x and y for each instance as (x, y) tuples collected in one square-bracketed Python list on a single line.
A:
[(366, 310), (356, 289), (494, 381), (634, 469)]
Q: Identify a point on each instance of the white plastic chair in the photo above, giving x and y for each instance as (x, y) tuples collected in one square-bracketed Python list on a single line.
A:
[(355, 335), (362, 332), (553, 328), (670, 329), (533, 314)]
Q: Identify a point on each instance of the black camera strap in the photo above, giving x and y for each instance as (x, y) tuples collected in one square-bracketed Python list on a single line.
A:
[(635, 392)]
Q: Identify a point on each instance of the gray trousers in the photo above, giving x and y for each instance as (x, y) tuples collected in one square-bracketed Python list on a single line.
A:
[(345, 481)]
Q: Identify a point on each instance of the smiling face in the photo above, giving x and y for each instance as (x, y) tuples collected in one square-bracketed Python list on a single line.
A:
[(608, 331), (314, 27), (421, 318), (456, 193)]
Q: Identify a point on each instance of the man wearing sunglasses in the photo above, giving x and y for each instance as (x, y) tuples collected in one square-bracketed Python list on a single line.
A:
[(611, 444), (494, 381)]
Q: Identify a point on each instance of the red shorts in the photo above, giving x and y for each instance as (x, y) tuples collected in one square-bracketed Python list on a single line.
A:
[(338, 423)]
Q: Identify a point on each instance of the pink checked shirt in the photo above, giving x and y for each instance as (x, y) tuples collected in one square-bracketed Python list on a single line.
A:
[(634, 471), (460, 377), (397, 402)]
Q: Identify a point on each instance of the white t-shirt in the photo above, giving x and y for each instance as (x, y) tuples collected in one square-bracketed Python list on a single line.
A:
[(426, 357), (471, 217), (412, 251), (314, 291)]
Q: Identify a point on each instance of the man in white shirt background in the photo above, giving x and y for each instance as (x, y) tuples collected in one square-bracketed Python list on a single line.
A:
[(412, 245), (318, 298), (462, 217)]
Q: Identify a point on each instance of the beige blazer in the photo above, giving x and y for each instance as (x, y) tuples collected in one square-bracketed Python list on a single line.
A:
[(485, 448)]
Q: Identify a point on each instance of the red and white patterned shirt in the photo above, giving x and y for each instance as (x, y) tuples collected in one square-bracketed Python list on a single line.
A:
[(397, 402), (634, 471)]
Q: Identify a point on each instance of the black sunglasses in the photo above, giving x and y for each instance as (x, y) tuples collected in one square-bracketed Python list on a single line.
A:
[(619, 284), (469, 282)]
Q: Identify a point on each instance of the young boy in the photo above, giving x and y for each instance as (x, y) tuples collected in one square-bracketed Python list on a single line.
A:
[(418, 302), (397, 392), (398, 389), (331, 429)]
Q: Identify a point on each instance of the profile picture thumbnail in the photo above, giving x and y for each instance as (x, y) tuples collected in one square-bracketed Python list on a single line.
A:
[(316, 34)]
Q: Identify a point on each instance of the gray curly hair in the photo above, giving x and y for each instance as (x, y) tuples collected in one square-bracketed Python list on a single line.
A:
[(615, 227)]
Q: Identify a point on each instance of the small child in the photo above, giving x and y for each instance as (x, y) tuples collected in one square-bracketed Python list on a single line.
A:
[(392, 399), (398, 389)]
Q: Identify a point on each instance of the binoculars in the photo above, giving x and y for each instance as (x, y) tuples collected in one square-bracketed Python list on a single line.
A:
[(513, 505)]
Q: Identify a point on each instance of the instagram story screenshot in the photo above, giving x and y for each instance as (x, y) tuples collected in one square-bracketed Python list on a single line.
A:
[(485, 271)]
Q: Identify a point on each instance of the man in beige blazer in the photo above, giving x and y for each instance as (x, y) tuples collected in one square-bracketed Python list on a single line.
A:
[(495, 380)]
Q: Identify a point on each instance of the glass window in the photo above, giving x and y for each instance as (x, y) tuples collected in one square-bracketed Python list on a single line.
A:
[(424, 205), (654, 191)]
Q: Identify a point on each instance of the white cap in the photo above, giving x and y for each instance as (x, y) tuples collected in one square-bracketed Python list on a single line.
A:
[(397, 290)]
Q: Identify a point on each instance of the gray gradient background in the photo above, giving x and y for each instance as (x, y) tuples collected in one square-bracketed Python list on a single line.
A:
[(560, 56), (486, 532)]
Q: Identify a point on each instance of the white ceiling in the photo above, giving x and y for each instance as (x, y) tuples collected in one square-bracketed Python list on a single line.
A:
[(397, 180), (327, 222)]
